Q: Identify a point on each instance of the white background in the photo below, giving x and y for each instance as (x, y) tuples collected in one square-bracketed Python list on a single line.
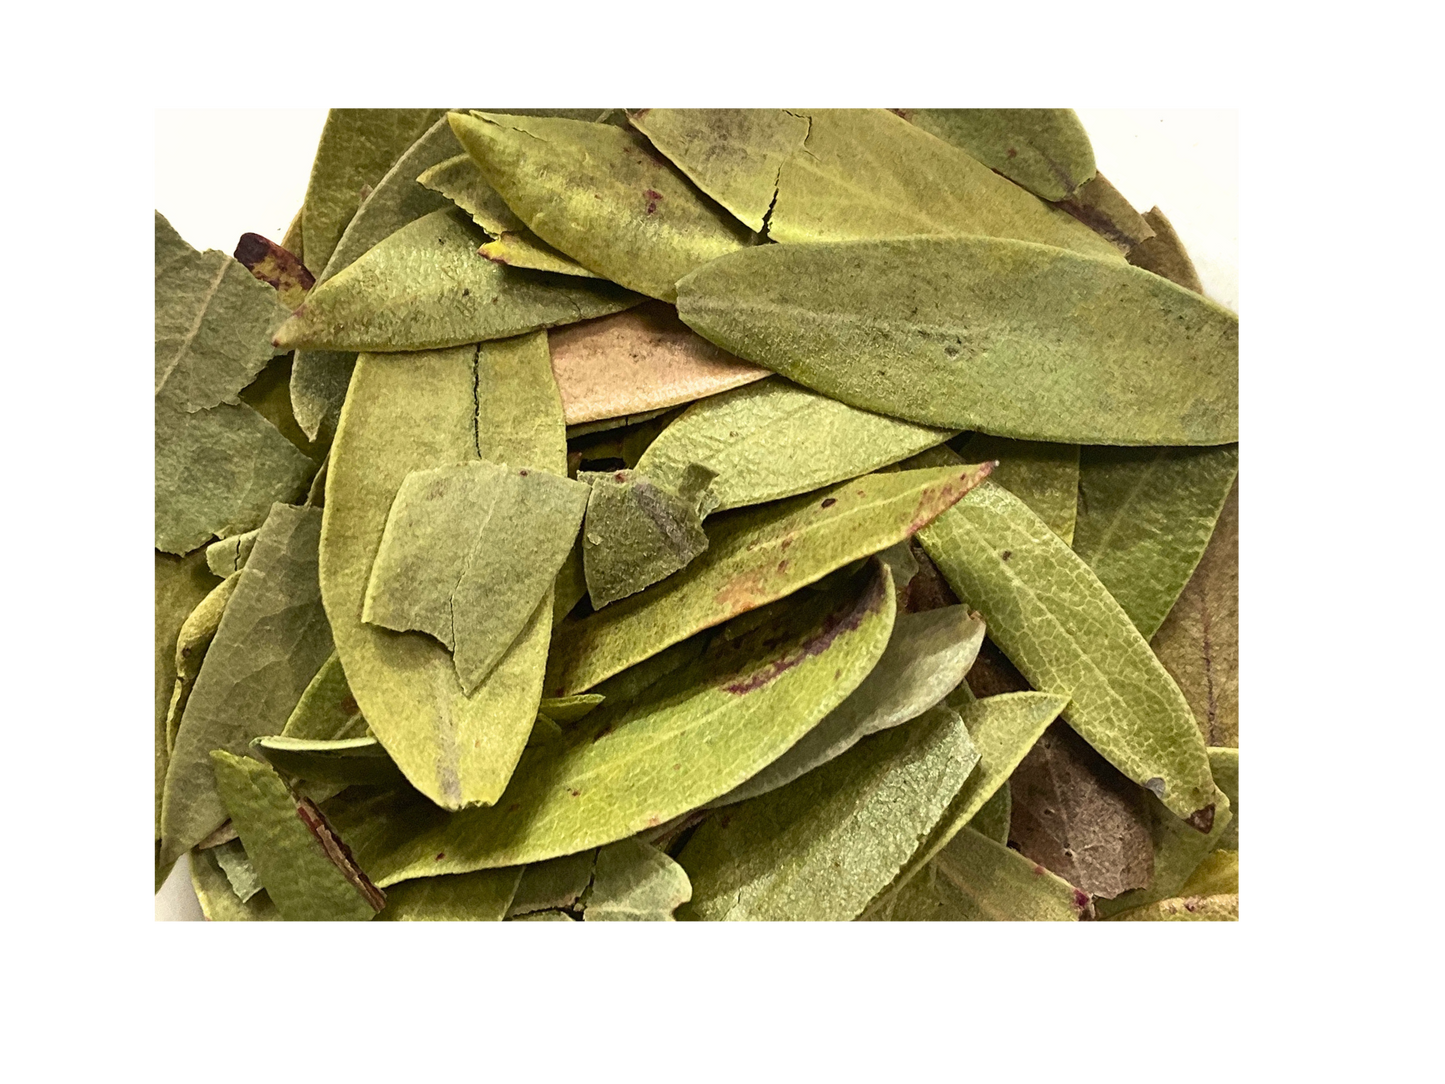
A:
[(1184, 161)]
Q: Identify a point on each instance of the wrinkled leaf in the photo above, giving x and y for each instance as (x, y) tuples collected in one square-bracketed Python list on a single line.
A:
[(1046, 151), (849, 174), (693, 735), (1002, 336), (469, 553), (754, 556), (181, 583), (326, 711), (1164, 253), (218, 900), (639, 360), (927, 656), (1044, 476), (276, 267), (469, 897), (1224, 763), (1198, 642), (1064, 631), (1103, 208), (307, 870), (633, 882), (823, 846), (272, 640), (229, 555), (232, 858), (602, 195), (1145, 517), (498, 402), (338, 760), (555, 883)]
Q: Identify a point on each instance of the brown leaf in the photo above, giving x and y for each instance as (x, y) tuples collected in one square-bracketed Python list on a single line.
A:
[(276, 267), (1164, 254), (1103, 208), (639, 360), (1077, 816), (1199, 640)]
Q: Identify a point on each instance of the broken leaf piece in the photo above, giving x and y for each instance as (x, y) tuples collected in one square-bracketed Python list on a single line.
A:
[(1103, 208), (555, 883), (468, 897), (1164, 253), (823, 846), (993, 817), (927, 657), (228, 555), (1044, 476), (693, 735), (775, 439), (1046, 151), (526, 250), (847, 174), (1145, 518), (306, 868), (986, 882), (639, 532), (496, 401), (754, 557), (272, 640), (1224, 763), (1075, 814), (425, 286), (1223, 908), (602, 195), (1178, 850), (340, 760), (191, 644), (468, 554), (633, 882), (218, 899), (993, 338), (181, 583), (326, 711), (276, 267), (569, 709), (1217, 875), (639, 360), (231, 857)]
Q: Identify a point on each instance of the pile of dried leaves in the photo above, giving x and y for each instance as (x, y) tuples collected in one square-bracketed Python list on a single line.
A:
[(747, 514)]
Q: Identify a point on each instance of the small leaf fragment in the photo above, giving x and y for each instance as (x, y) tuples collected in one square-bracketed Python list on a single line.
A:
[(993, 817), (218, 899), (1164, 253), (326, 711), (1178, 850), (1223, 908), (468, 897), (181, 583), (553, 884), (232, 858), (986, 882), (1103, 208), (569, 709), (633, 882), (277, 268), (1224, 764), (228, 555), (339, 760), (190, 651), (1046, 151), (1044, 476)]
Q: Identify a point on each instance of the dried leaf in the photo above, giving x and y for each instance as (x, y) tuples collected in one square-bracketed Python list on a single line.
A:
[(525, 249), (849, 174), (820, 848), (1044, 476), (555, 883), (635, 883), (569, 709), (338, 760), (1103, 208), (277, 268), (1145, 518), (469, 553), (425, 286), (495, 401), (307, 870), (1198, 642), (992, 818), (1046, 151), (986, 882), (542, 916), (471, 897), (927, 656), (570, 585), (1224, 763), (1217, 875), (992, 338), (1178, 850), (327, 711), (694, 734), (269, 395), (272, 640), (1164, 253), (229, 555), (218, 900), (236, 865), (639, 360), (1065, 632), (1076, 815), (190, 651), (1192, 909), (754, 556), (602, 195), (181, 583)]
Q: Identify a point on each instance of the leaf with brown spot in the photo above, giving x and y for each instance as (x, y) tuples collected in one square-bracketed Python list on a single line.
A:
[(327, 711), (276, 267), (1178, 851), (1223, 908), (1103, 208), (1164, 253)]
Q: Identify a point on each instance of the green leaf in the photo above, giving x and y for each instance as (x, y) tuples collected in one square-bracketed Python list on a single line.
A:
[(602, 195), (992, 818), (425, 286), (1223, 908), (326, 711), (1103, 208), (526, 250), (849, 174), (228, 555), (693, 735), (190, 651), (927, 656), (754, 557), (181, 583), (236, 864), (269, 395), (338, 760), (357, 147), (983, 881), (1224, 763), (555, 883), (633, 882), (820, 848), (272, 640), (1164, 253), (981, 333), (468, 554), (1046, 151), (1178, 851), (1217, 875), (218, 900), (1145, 517), (1044, 476), (542, 916), (636, 361), (495, 401), (307, 871), (471, 897), (1059, 625)]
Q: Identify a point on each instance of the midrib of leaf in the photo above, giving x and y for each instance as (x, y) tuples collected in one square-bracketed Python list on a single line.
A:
[(185, 346)]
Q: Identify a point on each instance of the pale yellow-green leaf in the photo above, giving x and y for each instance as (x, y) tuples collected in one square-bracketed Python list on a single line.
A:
[(468, 897), (555, 883), (181, 583), (1046, 151), (1221, 908), (218, 901), (987, 882), (633, 882), (1217, 875), (342, 761), (1224, 763), (1044, 476), (194, 638), (326, 711)]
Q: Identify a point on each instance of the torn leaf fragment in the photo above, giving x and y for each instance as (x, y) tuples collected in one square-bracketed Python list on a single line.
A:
[(633, 882)]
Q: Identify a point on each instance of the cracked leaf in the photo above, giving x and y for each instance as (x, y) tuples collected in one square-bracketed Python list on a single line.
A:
[(555, 883), (1164, 253), (850, 174), (277, 268), (754, 556), (469, 897), (1044, 476), (823, 846), (229, 555), (469, 553), (602, 195), (272, 640), (1045, 151), (1103, 208), (1001, 336), (634, 882)]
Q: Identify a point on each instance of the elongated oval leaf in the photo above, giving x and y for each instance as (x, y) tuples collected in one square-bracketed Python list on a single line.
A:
[(1006, 337), (846, 174), (602, 195), (1046, 151), (411, 413), (754, 556), (1059, 625), (1044, 476), (823, 846)]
